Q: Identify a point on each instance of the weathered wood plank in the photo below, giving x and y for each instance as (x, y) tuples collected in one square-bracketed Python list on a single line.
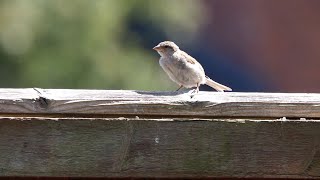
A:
[(116, 102), (119, 147), (158, 134)]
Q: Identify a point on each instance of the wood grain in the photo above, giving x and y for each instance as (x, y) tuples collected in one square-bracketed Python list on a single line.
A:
[(140, 103), (116, 133), (119, 147)]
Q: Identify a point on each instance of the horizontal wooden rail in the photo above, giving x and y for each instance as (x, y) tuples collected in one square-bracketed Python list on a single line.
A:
[(103, 133), (204, 104)]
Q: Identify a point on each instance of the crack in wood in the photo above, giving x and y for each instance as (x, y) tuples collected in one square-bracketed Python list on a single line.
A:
[(42, 100)]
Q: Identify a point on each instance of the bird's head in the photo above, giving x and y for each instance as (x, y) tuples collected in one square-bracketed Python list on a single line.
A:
[(166, 48)]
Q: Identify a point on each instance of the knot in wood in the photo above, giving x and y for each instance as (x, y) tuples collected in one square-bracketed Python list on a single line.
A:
[(43, 102)]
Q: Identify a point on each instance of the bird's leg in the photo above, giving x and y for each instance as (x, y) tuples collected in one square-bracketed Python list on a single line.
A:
[(196, 90), (179, 88)]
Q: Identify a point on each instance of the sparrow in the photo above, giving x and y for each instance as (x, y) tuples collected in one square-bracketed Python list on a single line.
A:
[(184, 69)]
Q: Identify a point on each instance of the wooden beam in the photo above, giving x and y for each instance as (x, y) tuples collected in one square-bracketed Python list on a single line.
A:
[(204, 104), (95, 133)]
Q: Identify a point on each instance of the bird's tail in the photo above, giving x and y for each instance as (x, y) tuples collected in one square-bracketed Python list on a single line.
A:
[(217, 86)]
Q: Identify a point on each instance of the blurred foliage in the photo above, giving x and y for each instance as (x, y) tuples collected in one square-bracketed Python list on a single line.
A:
[(90, 43)]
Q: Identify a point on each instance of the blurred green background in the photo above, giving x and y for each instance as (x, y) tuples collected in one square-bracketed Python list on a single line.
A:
[(87, 43)]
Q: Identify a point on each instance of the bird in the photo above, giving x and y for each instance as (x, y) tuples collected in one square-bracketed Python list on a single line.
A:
[(183, 69)]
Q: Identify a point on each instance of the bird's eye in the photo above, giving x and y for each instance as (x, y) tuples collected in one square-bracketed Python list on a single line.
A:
[(166, 46)]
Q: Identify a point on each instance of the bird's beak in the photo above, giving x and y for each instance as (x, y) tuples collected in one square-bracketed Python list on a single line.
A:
[(156, 48)]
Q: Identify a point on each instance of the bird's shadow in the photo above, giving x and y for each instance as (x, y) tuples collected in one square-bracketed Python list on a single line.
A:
[(163, 93)]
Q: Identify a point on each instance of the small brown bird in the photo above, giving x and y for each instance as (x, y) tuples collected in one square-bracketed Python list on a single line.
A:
[(184, 69)]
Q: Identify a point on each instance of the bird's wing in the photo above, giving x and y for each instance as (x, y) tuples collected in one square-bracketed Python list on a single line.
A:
[(191, 60), (188, 58)]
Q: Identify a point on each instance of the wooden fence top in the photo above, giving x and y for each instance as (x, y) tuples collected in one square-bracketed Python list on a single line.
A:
[(119, 133), (36, 101)]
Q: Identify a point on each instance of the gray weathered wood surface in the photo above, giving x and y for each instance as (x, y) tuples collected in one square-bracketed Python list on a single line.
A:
[(95, 133), (204, 104)]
